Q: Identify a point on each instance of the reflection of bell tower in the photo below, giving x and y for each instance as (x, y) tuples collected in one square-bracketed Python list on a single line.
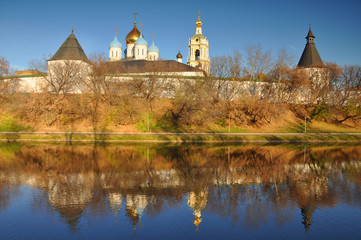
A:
[(198, 49), (197, 202), (135, 207)]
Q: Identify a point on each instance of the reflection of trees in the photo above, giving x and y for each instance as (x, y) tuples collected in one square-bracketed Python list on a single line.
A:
[(248, 183), (7, 192)]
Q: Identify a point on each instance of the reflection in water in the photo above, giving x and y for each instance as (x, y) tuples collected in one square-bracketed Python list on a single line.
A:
[(197, 202), (247, 184)]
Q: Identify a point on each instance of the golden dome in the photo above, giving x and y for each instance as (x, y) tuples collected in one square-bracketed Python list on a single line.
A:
[(132, 35), (199, 23), (179, 55)]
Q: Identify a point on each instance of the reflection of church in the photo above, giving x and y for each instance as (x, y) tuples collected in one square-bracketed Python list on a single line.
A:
[(197, 201), (135, 207)]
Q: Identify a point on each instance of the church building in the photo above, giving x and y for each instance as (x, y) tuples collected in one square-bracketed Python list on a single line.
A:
[(136, 47), (198, 49)]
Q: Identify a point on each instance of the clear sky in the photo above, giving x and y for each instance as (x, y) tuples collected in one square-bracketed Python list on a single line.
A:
[(33, 29)]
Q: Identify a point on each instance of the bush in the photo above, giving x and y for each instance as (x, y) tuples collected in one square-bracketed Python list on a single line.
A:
[(8, 124)]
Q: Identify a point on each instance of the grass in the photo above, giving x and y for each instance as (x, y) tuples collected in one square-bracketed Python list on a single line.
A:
[(8, 124)]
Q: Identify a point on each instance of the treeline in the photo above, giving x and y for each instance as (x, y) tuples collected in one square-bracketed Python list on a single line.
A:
[(251, 90)]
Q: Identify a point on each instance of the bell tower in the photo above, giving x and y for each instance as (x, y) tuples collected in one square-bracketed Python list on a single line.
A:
[(198, 49)]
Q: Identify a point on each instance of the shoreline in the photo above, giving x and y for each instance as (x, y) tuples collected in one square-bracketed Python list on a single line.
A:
[(180, 137)]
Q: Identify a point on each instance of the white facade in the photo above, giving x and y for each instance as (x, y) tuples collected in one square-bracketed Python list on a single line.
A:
[(153, 56), (130, 50), (198, 49), (115, 54), (140, 52)]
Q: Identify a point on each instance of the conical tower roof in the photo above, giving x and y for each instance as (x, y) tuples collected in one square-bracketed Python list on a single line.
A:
[(70, 50), (310, 54)]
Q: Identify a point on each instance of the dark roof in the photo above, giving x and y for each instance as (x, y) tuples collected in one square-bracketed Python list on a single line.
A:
[(143, 66), (310, 54), (310, 34), (70, 50)]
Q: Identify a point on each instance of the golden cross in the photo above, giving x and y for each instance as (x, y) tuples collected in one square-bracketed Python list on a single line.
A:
[(199, 15), (141, 27), (135, 17), (72, 30), (179, 47), (153, 36), (116, 29)]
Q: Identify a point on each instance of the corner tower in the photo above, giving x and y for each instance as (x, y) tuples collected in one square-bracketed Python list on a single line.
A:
[(310, 56), (198, 49)]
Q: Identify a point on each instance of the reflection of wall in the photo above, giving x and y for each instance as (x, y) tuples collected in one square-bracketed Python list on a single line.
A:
[(115, 203)]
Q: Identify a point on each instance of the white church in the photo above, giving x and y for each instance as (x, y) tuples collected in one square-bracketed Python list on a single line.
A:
[(137, 48), (138, 58)]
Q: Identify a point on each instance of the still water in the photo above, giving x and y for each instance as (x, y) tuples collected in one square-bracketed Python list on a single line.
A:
[(50, 191)]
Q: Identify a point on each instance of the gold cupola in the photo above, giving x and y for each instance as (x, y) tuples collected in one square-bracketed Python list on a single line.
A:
[(134, 34), (199, 23)]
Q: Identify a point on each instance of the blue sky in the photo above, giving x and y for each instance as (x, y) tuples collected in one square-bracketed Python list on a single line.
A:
[(33, 29)]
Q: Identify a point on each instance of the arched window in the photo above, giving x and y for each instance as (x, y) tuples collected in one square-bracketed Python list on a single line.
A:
[(197, 54)]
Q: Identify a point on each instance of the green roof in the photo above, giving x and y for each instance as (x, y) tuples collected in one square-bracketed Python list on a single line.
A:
[(70, 50), (198, 36)]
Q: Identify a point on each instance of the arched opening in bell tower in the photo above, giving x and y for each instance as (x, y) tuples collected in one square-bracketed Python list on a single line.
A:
[(197, 53)]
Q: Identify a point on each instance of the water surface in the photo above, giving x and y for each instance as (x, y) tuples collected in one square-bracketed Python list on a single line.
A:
[(50, 191)]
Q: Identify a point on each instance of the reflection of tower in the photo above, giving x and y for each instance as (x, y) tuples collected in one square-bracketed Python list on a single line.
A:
[(197, 202), (309, 195), (306, 212), (135, 207), (198, 54), (115, 203), (70, 195)]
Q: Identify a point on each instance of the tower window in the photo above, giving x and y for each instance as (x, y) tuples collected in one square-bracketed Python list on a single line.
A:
[(197, 54), (196, 39)]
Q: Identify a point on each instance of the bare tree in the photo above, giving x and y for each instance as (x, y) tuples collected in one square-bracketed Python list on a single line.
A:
[(8, 82), (280, 77), (149, 87), (346, 95), (4, 67), (64, 76), (100, 82), (257, 62)]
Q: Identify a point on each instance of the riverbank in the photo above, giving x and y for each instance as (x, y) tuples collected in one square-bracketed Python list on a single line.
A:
[(177, 137)]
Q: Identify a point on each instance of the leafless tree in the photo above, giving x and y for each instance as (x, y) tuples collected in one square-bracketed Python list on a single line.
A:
[(8, 82), (225, 75), (149, 87), (257, 62), (63, 76)]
